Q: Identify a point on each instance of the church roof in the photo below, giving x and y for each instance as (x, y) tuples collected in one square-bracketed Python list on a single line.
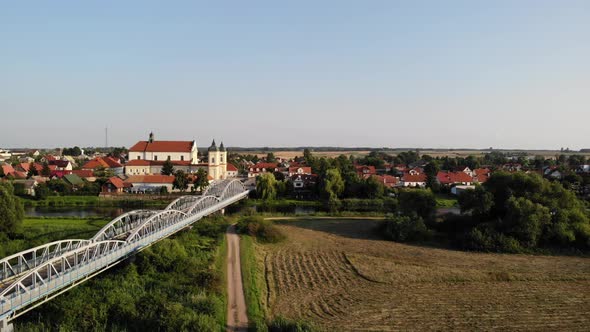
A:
[(162, 146), (213, 146)]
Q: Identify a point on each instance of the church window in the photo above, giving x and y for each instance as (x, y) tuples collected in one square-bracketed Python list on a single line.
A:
[(138, 157), (181, 158), (155, 157)]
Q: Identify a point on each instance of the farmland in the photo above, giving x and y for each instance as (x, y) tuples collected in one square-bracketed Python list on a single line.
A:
[(340, 276)]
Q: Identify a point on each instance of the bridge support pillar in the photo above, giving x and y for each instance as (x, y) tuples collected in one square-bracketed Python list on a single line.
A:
[(222, 212), (5, 326)]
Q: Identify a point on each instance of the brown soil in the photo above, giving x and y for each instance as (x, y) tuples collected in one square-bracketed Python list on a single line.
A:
[(338, 275)]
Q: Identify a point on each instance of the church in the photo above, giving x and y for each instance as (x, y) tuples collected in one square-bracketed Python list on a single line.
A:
[(148, 157)]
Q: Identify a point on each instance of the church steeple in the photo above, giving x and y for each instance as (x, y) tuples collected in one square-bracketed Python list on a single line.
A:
[(221, 147), (213, 146)]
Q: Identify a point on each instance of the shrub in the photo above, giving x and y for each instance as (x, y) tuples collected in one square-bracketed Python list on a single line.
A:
[(406, 228), (263, 230), (281, 324)]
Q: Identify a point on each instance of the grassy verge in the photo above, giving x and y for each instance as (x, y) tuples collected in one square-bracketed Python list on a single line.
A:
[(220, 266), (253, 280), (37, 231), (91, 201), (446, 201)]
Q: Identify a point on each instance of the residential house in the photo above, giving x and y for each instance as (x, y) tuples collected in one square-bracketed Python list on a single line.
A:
[(7, 169), (446, 178), (86, 174), (74, 180), (413, 179), (365, 171), (232, 171), (24, 186), (115, 185), (388, 180), (260, 168), (481, 175), (108, 163), (299, 170)]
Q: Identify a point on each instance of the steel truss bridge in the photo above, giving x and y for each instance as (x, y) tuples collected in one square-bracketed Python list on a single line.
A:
[(34, 276)]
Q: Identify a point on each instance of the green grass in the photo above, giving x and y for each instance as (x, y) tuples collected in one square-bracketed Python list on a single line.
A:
[(37, 231), (60, 201), (220, 266), (253, 280), (446, 201)]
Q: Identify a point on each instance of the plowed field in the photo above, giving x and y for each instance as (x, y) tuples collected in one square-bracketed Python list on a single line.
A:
[(338, 275)]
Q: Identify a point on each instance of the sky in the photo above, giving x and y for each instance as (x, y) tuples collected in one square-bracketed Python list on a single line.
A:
[(441, 74)]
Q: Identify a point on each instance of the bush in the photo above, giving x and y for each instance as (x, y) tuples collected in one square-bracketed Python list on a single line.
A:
[(406, 228), (281, 324), (263, 230)]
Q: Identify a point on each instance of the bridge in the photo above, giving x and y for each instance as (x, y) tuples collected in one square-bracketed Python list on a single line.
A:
[(37, 275)]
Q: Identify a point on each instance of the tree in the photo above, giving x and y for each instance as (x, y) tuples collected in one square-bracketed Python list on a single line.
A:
[(2, 174), (167, 168), (477, 201), (374, 188), (525, 221), (333, 185), (201, 181), (180, 180), (270, 157), (418, 201), (266, 186), (46, 171), (431, 170), (11, 209), (32, 170)]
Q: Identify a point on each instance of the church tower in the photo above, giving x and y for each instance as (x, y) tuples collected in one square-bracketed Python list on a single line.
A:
[(223, 161), (213, 161)]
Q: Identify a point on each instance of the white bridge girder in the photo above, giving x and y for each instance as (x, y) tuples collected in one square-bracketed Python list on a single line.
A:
[(34, 276)]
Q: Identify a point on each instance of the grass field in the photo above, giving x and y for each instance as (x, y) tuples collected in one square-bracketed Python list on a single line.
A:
[(37, 231), (340, 276)]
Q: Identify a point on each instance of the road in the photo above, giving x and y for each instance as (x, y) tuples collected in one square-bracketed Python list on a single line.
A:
[(237, 320)]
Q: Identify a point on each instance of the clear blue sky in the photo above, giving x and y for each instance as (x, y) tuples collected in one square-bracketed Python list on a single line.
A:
[(511, 74)]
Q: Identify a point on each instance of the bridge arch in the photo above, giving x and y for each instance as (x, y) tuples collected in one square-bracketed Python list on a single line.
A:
[(23, 261), (183, 203), (203, 203), (156, 222), (122, 224), (232, 188)]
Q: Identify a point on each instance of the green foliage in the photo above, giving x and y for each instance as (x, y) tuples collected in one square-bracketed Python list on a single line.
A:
[(201, 181), (281, 324), (167, 167), (172, 286), (374, 188), (332, 185), (406, 228), (46, 171), (180, 180), (418, 201), (11, 209), (478, 201), (263, 230), (32, 170), (266, 186)]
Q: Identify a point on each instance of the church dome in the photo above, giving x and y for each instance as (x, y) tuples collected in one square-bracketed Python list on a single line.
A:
[(213, 146)]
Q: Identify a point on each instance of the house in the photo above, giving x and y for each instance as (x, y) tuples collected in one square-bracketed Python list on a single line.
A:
[(115, 185), (413, 179), (481, 175), (74, 180), (150, 183), (108, 163), (388, 180), (465, 170), (583, 169), (512, 167), (446, 178), (260, 168), (299, 170), (364, 171), (86, 174), (552, 172), (232, 171), (62, 165), (7, 169), (25, 187)]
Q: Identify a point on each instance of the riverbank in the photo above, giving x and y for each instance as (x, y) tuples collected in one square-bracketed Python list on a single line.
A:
[(96, 201)]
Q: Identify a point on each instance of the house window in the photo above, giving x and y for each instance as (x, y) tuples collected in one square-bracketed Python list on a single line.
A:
[(155, 157)]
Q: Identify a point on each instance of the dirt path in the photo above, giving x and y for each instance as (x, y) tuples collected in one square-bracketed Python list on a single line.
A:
[(237, 320)]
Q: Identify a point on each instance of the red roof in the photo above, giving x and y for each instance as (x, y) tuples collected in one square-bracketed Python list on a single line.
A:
[(387, 180), (118, 183), (264, 166), (106, 162), (7, 168), (83, 173), (138, 162), (231, 168), (407, 177), (151, 179), (163, 146), (305, 169), (142, 162), (453, 177)]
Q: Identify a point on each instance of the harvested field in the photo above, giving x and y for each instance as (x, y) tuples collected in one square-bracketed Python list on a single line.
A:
[(338, 275)]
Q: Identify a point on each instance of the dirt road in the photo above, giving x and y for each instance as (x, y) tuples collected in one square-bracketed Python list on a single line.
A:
[(237, 319)]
